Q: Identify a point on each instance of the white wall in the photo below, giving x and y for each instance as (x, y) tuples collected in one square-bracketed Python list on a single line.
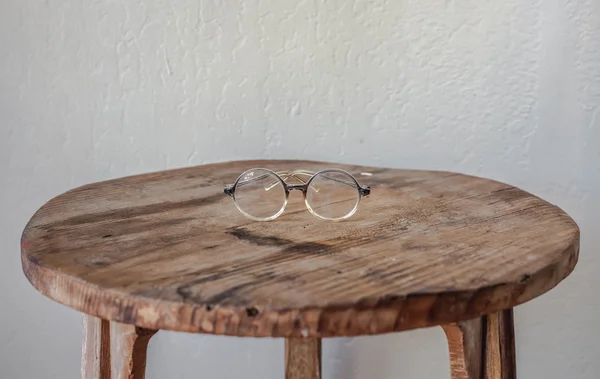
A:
[(91, 90)]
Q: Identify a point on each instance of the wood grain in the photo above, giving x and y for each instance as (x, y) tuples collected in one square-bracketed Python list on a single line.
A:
[(466, 347), (303, 358), (483, 348), (95, 354), (500, 360), (113, 350), (169, 250), (128, 346)]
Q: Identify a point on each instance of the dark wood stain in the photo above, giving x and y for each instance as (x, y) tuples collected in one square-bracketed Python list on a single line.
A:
[(129, 313), (131, 212), (252, 312), (313, 248), (510, 194)]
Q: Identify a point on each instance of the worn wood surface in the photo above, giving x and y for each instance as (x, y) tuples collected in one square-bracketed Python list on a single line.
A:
[(500, 360), (95, 351), (128, 349), (112, 350), (169, 250), (483, 348), (465, 344), (303, 358)]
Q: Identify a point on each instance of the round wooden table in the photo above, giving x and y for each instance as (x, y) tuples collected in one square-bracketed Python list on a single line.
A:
[(169, 250)]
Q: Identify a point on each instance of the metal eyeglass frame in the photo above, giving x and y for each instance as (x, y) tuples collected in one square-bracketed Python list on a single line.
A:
[(282, 176)]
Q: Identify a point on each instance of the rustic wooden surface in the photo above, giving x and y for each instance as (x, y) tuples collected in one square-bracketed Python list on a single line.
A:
[(303, 358), (128, 349), (112, 350), (483, 348), (169, 250), (500, 359), (466, 347), (95, 354)]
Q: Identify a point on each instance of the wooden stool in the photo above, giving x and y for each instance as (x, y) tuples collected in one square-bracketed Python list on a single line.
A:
[(169, 250)]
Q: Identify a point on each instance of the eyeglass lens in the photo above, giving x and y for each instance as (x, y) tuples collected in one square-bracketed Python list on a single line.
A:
[(332, 195), (260, 194)]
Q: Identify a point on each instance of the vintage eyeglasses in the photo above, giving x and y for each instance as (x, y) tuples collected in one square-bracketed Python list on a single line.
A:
[(331, 194)]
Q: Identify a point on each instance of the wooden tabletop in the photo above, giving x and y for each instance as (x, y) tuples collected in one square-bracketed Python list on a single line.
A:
[(169, 250)]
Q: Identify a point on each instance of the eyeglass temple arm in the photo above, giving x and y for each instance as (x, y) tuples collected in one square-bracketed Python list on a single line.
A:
[(364, 190), (283, 174)]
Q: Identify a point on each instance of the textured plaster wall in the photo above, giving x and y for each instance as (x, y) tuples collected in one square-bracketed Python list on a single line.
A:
[(97, 89)]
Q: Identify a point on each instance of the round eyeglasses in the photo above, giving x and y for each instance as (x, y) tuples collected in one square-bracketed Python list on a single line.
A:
[(331, 194)]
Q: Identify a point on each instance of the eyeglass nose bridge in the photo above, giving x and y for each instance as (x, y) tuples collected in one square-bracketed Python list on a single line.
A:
[(296, 187)]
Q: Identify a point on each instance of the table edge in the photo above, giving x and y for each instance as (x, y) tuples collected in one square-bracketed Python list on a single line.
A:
[(302, 322)]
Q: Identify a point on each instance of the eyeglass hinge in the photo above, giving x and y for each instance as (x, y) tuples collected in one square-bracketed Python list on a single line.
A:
[(228, 190)]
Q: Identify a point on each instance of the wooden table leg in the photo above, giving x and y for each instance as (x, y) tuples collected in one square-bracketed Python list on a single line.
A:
[(483, 348), (465, 342), (112, 350), (500, 360), (302, 358), (95, 351)]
